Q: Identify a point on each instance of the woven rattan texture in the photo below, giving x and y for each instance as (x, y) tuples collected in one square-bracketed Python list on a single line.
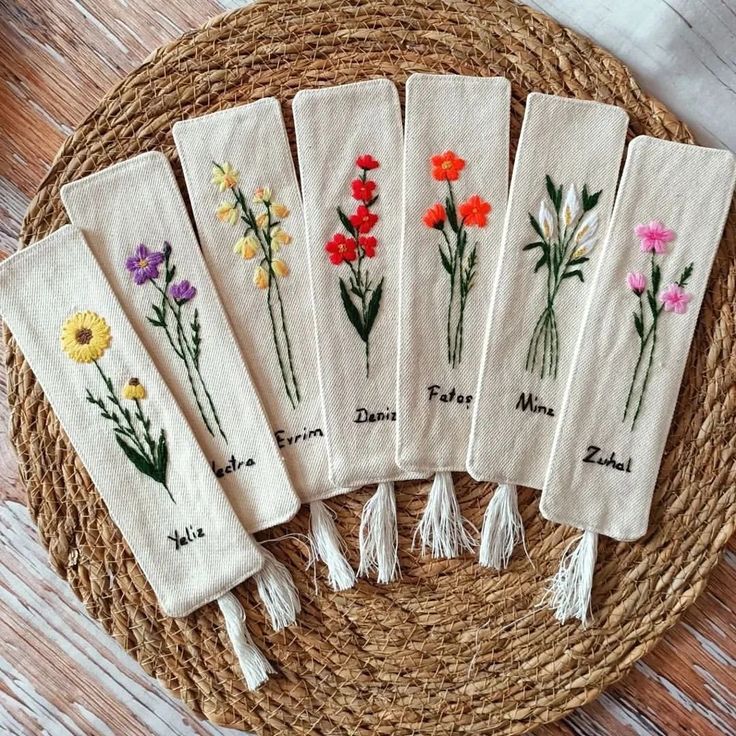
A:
[(452, 648)]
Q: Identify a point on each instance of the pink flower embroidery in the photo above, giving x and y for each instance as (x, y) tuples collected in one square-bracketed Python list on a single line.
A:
[(675, 299), (654, 237), (637, 282)]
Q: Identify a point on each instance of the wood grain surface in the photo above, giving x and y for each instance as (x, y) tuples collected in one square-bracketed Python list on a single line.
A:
[(59, 672)]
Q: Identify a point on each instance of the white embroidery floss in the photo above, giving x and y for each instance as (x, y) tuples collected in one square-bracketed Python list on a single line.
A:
[(649, 284), (454, 197), (128, 431), (138, 228), (560, 198), (351, 181), (247, 209)]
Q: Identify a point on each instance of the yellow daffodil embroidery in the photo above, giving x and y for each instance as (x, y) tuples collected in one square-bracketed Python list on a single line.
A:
[(262, 238), (85, 337)]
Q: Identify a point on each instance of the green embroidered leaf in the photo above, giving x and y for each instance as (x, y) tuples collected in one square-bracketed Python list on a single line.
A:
[(553, 193), (590, 200), (445, 261), (196, 337), (155, 322), (451, 214), (531, 246), (162, 456), (541, 262), (536, 226), (638, 325), (371, 202), (373, 306), (351, 310), (652, 302), (141, 463), (570, 274), (685, 275), (461, 242), (346, 222), (578, 261), (656, 278)]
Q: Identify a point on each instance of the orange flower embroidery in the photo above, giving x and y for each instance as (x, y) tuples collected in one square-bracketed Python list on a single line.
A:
[(435, 216), (475, 211), (447, 166)]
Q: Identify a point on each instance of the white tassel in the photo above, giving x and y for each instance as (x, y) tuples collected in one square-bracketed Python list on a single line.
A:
[(329, 547), (379, 536), (442, 527), (570, 588), (256, 668), (502, 529), (277, 591)]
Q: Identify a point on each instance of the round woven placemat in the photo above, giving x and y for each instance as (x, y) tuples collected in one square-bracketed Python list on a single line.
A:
[(452, 648)]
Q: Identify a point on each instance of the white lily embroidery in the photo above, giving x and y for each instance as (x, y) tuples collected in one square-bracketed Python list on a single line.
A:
[(546, 220), (571, 207), (586, 234)]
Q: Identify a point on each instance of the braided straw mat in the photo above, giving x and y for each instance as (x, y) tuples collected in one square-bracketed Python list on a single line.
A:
[(452, 648)]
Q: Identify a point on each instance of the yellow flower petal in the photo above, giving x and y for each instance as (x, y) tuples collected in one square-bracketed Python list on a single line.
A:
[(260, 278), (279, 267), (224, 177), (247, 247), (85, 336), (227, 212), (134, 390), (280, 210), (262, 194)]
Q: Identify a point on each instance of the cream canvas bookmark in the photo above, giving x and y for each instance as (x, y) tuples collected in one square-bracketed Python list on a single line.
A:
[(135, 222), (248, 213), (560, 198), (129, 434), (650, 281), (349, 142), (456, 152)]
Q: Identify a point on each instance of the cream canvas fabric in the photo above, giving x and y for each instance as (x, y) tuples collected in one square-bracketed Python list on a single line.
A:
[(135, 223), (349, 142), (456, 153), (665, 230), (248, 214), (560, 198), (173, 514)]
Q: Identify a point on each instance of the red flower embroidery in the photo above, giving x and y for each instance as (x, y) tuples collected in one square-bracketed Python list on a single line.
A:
[(435, 217), (341, 249), (475, 211), (363, 219), (363, 190), (368, 244), (366, 162), (447, 166)]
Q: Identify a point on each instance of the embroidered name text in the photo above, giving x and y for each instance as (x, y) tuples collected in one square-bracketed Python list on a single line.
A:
[(285, 440), (594, 456), (527, 402)]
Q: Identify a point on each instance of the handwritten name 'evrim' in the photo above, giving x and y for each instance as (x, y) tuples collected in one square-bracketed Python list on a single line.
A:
[(594, 456), (530, 403), (286, 440)]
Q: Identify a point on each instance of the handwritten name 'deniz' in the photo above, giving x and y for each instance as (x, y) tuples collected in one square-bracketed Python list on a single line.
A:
[(189, 535), (594, 456), (448, 397), (530, 403), (231, 466), (363, 415)]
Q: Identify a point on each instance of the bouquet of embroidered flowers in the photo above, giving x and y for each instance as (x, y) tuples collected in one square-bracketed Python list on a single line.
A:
[(628, 363)]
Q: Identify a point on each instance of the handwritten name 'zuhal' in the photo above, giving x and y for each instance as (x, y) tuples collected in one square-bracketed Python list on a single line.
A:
[(594, 455)]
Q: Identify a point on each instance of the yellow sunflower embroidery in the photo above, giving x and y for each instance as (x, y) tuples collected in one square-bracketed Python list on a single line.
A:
[(133, 390), (85, 336)]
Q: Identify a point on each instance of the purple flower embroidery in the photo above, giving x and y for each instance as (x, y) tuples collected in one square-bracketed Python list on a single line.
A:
[(182, 291), (143, 264)]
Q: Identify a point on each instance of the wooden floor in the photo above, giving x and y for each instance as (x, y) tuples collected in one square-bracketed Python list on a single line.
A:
[(59, 673)]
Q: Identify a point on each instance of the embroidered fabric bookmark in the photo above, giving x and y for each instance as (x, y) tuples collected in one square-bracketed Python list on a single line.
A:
[(351, 184), (247, 209), (455, 187), (560, 199), (138, 229), (621, 393), (130, 434)]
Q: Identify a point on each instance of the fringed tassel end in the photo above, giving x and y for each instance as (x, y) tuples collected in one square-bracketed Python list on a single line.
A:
[(570, 588), (379, 536), (442, 527), (277, 591), (329, 547), (503, 528), (256, 668)]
